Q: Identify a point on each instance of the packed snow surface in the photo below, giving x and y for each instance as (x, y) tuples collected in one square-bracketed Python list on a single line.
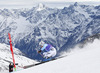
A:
[(86, 60), (6, 58)]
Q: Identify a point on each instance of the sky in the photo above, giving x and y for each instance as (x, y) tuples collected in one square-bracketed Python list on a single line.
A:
[(30, 3), (27, 2)]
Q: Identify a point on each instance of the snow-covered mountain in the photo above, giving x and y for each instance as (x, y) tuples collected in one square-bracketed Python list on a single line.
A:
[(6, 58), (86, 60), (40, 7), (62, 28)]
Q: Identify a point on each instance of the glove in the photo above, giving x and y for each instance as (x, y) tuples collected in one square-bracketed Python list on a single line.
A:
[(39, 51)]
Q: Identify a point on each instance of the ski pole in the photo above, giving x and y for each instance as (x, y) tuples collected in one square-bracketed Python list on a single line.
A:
[(39, 53)]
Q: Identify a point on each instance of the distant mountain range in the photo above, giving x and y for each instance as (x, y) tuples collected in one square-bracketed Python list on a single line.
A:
[(62, 28)]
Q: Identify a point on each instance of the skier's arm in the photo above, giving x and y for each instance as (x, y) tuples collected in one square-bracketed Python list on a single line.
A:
[(45, 45)]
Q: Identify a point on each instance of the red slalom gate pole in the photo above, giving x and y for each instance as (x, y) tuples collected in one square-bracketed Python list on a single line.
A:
[(11, 48)]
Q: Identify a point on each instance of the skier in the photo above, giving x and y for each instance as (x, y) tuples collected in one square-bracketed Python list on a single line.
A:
[(50, 51), (11, 67)]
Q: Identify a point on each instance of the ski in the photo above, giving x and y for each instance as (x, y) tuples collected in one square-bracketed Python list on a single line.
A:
[(32, 65), (36, 64)]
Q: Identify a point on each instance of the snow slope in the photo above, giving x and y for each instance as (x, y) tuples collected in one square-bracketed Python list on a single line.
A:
[(6, 58), (86, 60)]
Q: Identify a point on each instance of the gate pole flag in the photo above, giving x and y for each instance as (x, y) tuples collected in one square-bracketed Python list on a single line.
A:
[(11, 48)]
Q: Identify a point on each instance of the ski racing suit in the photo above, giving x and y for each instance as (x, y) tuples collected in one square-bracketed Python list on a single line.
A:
[(50, 51)]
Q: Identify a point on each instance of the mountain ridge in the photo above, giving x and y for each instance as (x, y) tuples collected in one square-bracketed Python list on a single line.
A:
[(62, 28)]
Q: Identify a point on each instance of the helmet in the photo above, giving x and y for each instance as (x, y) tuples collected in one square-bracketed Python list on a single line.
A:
[(41, 43)]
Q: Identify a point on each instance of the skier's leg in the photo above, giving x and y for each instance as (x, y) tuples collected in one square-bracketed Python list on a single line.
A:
[(51, 53), (54, 52), (45, 54)]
